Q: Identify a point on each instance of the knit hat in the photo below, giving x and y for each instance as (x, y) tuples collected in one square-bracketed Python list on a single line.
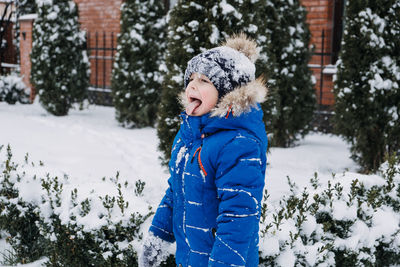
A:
[(228, 66)]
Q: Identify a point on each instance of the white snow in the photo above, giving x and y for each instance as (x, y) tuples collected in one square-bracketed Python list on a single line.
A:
[(88, 145), (194, 24), (227, 9), (286, 258), (214, 35), (52, 16), (28, 17)]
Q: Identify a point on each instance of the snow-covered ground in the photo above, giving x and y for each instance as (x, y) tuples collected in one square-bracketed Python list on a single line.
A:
[(88, 145)]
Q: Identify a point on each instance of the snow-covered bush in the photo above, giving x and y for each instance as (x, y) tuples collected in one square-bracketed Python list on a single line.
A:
[(45, 216), (352, 220), (93, 231), (346, 222), (60, 65), (13, 89), (136, 79), (367, 93), (17, 216)]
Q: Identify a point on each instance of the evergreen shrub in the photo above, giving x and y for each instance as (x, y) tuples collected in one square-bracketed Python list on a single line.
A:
[(13, 89), (17, 216), (344, 222), (68, 228), (284, 58), (193, 27), (60, 65), (189, 30), (367, 94), (136, 79)]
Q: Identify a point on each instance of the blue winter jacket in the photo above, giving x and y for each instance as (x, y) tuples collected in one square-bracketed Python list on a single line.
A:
[(212, 206)]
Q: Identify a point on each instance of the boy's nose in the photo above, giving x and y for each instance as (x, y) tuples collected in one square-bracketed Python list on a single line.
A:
[(192, 85)]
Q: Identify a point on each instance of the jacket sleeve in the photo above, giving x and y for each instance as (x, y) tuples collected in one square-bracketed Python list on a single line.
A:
[(161, 225), (240, 182)]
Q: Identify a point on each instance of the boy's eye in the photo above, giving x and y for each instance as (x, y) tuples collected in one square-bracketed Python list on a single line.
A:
[(204, 80)]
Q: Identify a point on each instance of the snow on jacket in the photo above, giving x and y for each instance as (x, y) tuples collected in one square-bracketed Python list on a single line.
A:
[(213, 204)]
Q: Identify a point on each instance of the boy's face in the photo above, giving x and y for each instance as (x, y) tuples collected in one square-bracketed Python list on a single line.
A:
[(201, 95)]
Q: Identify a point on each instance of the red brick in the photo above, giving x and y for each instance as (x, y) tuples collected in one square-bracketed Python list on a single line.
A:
[(25, 50), (319, 17)]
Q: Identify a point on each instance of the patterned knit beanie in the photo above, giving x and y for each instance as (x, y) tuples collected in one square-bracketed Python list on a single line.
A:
[(228, 66)]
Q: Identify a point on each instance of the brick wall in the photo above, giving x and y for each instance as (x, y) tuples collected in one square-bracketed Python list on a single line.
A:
[(101, 17), (26, 26), (320, 17)]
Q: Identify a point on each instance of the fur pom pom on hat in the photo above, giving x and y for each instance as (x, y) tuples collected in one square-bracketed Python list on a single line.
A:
[(228, 66)]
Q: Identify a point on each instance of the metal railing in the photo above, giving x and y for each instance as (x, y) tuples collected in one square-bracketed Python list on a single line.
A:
[(323, 69), (101, 50), (322, 120)]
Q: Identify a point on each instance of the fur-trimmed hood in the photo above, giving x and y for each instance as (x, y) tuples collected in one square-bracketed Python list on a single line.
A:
[(242, 99)]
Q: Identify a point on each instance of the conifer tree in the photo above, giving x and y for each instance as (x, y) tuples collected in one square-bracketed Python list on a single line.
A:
[(284, 57), (60, 66), (195, 26), (367, 94), (189, 30), (25, 7), (136, 80)]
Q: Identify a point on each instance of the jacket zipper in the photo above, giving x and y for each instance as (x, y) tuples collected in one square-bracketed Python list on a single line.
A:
[(199, 159)]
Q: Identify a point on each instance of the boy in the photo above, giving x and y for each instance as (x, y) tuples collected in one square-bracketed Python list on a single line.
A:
[(212, 206)]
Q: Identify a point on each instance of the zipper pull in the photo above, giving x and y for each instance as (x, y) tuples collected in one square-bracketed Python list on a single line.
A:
[(200, 163), (194, 155)]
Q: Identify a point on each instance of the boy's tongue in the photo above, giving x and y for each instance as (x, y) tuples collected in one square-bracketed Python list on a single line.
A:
[(192, 106)]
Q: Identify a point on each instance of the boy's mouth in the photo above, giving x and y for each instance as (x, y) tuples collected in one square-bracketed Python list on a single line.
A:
[(194, 103)]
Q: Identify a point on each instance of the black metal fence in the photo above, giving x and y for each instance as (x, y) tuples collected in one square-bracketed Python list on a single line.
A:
[(101, 50), (323, 116), (324, 69)]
